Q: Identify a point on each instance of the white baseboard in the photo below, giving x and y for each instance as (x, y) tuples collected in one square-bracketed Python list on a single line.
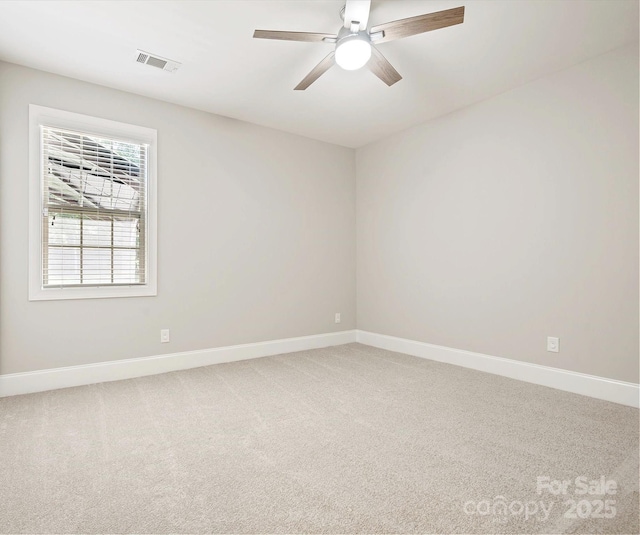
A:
[(578, 383), (41, 380)]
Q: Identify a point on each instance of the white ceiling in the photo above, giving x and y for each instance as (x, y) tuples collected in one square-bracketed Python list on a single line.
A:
[(502, 44)]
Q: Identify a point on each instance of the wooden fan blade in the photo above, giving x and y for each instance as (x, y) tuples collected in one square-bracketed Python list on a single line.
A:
[(294, 36), (420, 24), (316, 72), (379, 66)]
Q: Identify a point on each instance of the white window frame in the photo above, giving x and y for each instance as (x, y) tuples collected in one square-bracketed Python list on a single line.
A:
[(41, 116)]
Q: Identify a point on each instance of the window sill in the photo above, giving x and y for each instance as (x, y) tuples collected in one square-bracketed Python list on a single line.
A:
[(99, 292)]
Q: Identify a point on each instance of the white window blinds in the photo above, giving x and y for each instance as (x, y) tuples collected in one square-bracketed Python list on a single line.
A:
[(94, 210)]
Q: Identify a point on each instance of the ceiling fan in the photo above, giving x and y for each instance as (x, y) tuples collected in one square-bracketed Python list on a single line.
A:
[(355, 42)]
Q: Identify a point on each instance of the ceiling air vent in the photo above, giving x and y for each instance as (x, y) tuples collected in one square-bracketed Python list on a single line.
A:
[(156, 61)]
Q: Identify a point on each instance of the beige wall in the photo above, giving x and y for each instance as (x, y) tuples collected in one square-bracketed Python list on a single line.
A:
[(488, 229), (256, 235), (512, 220)]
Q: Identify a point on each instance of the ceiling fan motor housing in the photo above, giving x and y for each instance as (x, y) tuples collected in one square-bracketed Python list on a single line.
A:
[(346, 32)]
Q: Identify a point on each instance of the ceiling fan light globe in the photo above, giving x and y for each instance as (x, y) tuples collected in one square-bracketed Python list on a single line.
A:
[(352, 54)]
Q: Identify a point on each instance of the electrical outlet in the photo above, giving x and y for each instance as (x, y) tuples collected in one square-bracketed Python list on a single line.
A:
[(553, 344), (164, 336), (338, 320)]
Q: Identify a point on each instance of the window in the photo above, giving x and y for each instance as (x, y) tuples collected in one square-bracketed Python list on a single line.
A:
[(92, 228)]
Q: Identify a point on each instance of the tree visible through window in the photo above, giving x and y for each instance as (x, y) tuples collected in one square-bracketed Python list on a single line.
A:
[(94, 210)]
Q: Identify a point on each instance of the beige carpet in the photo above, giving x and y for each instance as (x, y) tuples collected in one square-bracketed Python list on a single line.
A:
[(339, 440)]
